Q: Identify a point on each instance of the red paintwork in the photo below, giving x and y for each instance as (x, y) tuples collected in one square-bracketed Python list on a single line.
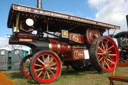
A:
[(59, 48), (64, 48), (76, 37), (75, 54), (54, 45), (31, 36), (92, 34)]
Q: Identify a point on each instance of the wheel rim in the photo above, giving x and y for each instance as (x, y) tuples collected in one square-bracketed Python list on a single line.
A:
[(46, 67), (107, 54), (25, 66)]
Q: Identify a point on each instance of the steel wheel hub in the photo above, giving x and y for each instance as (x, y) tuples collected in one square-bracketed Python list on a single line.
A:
[(106, 53), (47, 67)]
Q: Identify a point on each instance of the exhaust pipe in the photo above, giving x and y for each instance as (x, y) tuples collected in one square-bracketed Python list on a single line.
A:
[(39, 4)]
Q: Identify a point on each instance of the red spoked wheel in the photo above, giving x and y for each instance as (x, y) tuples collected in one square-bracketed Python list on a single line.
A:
[(24, 66), (45, 67), (104, 54)]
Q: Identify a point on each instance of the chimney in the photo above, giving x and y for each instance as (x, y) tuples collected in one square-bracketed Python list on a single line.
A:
[(39, 4), (127, 20)]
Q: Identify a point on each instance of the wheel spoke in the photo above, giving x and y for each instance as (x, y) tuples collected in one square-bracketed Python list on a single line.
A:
[(106, 47), (40, 61), (28, 73), (100, 53), (107, 64), (53, 64), (110, 51), (107, 60), (103, 46), (38, 65), (53, 68), (51, 72), (39, 69), (110, 48), (103, 62), (110, 61), (106, 43), (48, 75), (26, 66), (43, 58), (40, 73), (51, 60), (100, 48), (48, 58), (111, 54), (27, 62), (100, 59), (109, 57), (44, 74), (26, 69)]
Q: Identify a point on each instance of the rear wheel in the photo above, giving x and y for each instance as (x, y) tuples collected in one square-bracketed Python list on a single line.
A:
[(45, 67), (24, 66), (104, 54)]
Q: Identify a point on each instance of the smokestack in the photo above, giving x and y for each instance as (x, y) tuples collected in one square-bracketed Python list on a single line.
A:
[(127, 20), (39, 4)]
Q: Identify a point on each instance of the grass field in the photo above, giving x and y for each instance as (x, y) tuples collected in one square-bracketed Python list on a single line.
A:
[(71, 77)]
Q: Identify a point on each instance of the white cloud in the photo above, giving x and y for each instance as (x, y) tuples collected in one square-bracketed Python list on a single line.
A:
[(3, 42), (97, 3), (111, 11)]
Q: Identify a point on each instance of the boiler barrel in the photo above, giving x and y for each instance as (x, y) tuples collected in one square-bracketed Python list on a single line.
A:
[(59, 48)]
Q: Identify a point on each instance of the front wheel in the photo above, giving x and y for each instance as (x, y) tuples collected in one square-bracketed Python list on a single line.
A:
[(104, 54), (45, 67)]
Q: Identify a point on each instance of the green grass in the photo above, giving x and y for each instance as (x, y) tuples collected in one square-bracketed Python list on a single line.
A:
[(71, 77)]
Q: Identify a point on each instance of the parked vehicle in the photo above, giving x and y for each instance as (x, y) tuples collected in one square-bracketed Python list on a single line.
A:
[(122, 38), (60, 38)]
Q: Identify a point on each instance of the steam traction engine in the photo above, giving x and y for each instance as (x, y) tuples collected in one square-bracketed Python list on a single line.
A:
[(122, 38), (55, 38)]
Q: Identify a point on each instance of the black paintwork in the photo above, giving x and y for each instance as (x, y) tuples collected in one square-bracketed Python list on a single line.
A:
[(36, 44)]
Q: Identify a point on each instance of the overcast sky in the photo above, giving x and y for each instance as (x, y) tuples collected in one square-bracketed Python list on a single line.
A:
[(109, 11)]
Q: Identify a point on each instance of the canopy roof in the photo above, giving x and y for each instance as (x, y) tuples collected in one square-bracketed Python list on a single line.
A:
[(54, 18), (121, 34)]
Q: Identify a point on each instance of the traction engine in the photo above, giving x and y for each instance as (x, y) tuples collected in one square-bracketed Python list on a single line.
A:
[(57, 38), (122, 38)]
